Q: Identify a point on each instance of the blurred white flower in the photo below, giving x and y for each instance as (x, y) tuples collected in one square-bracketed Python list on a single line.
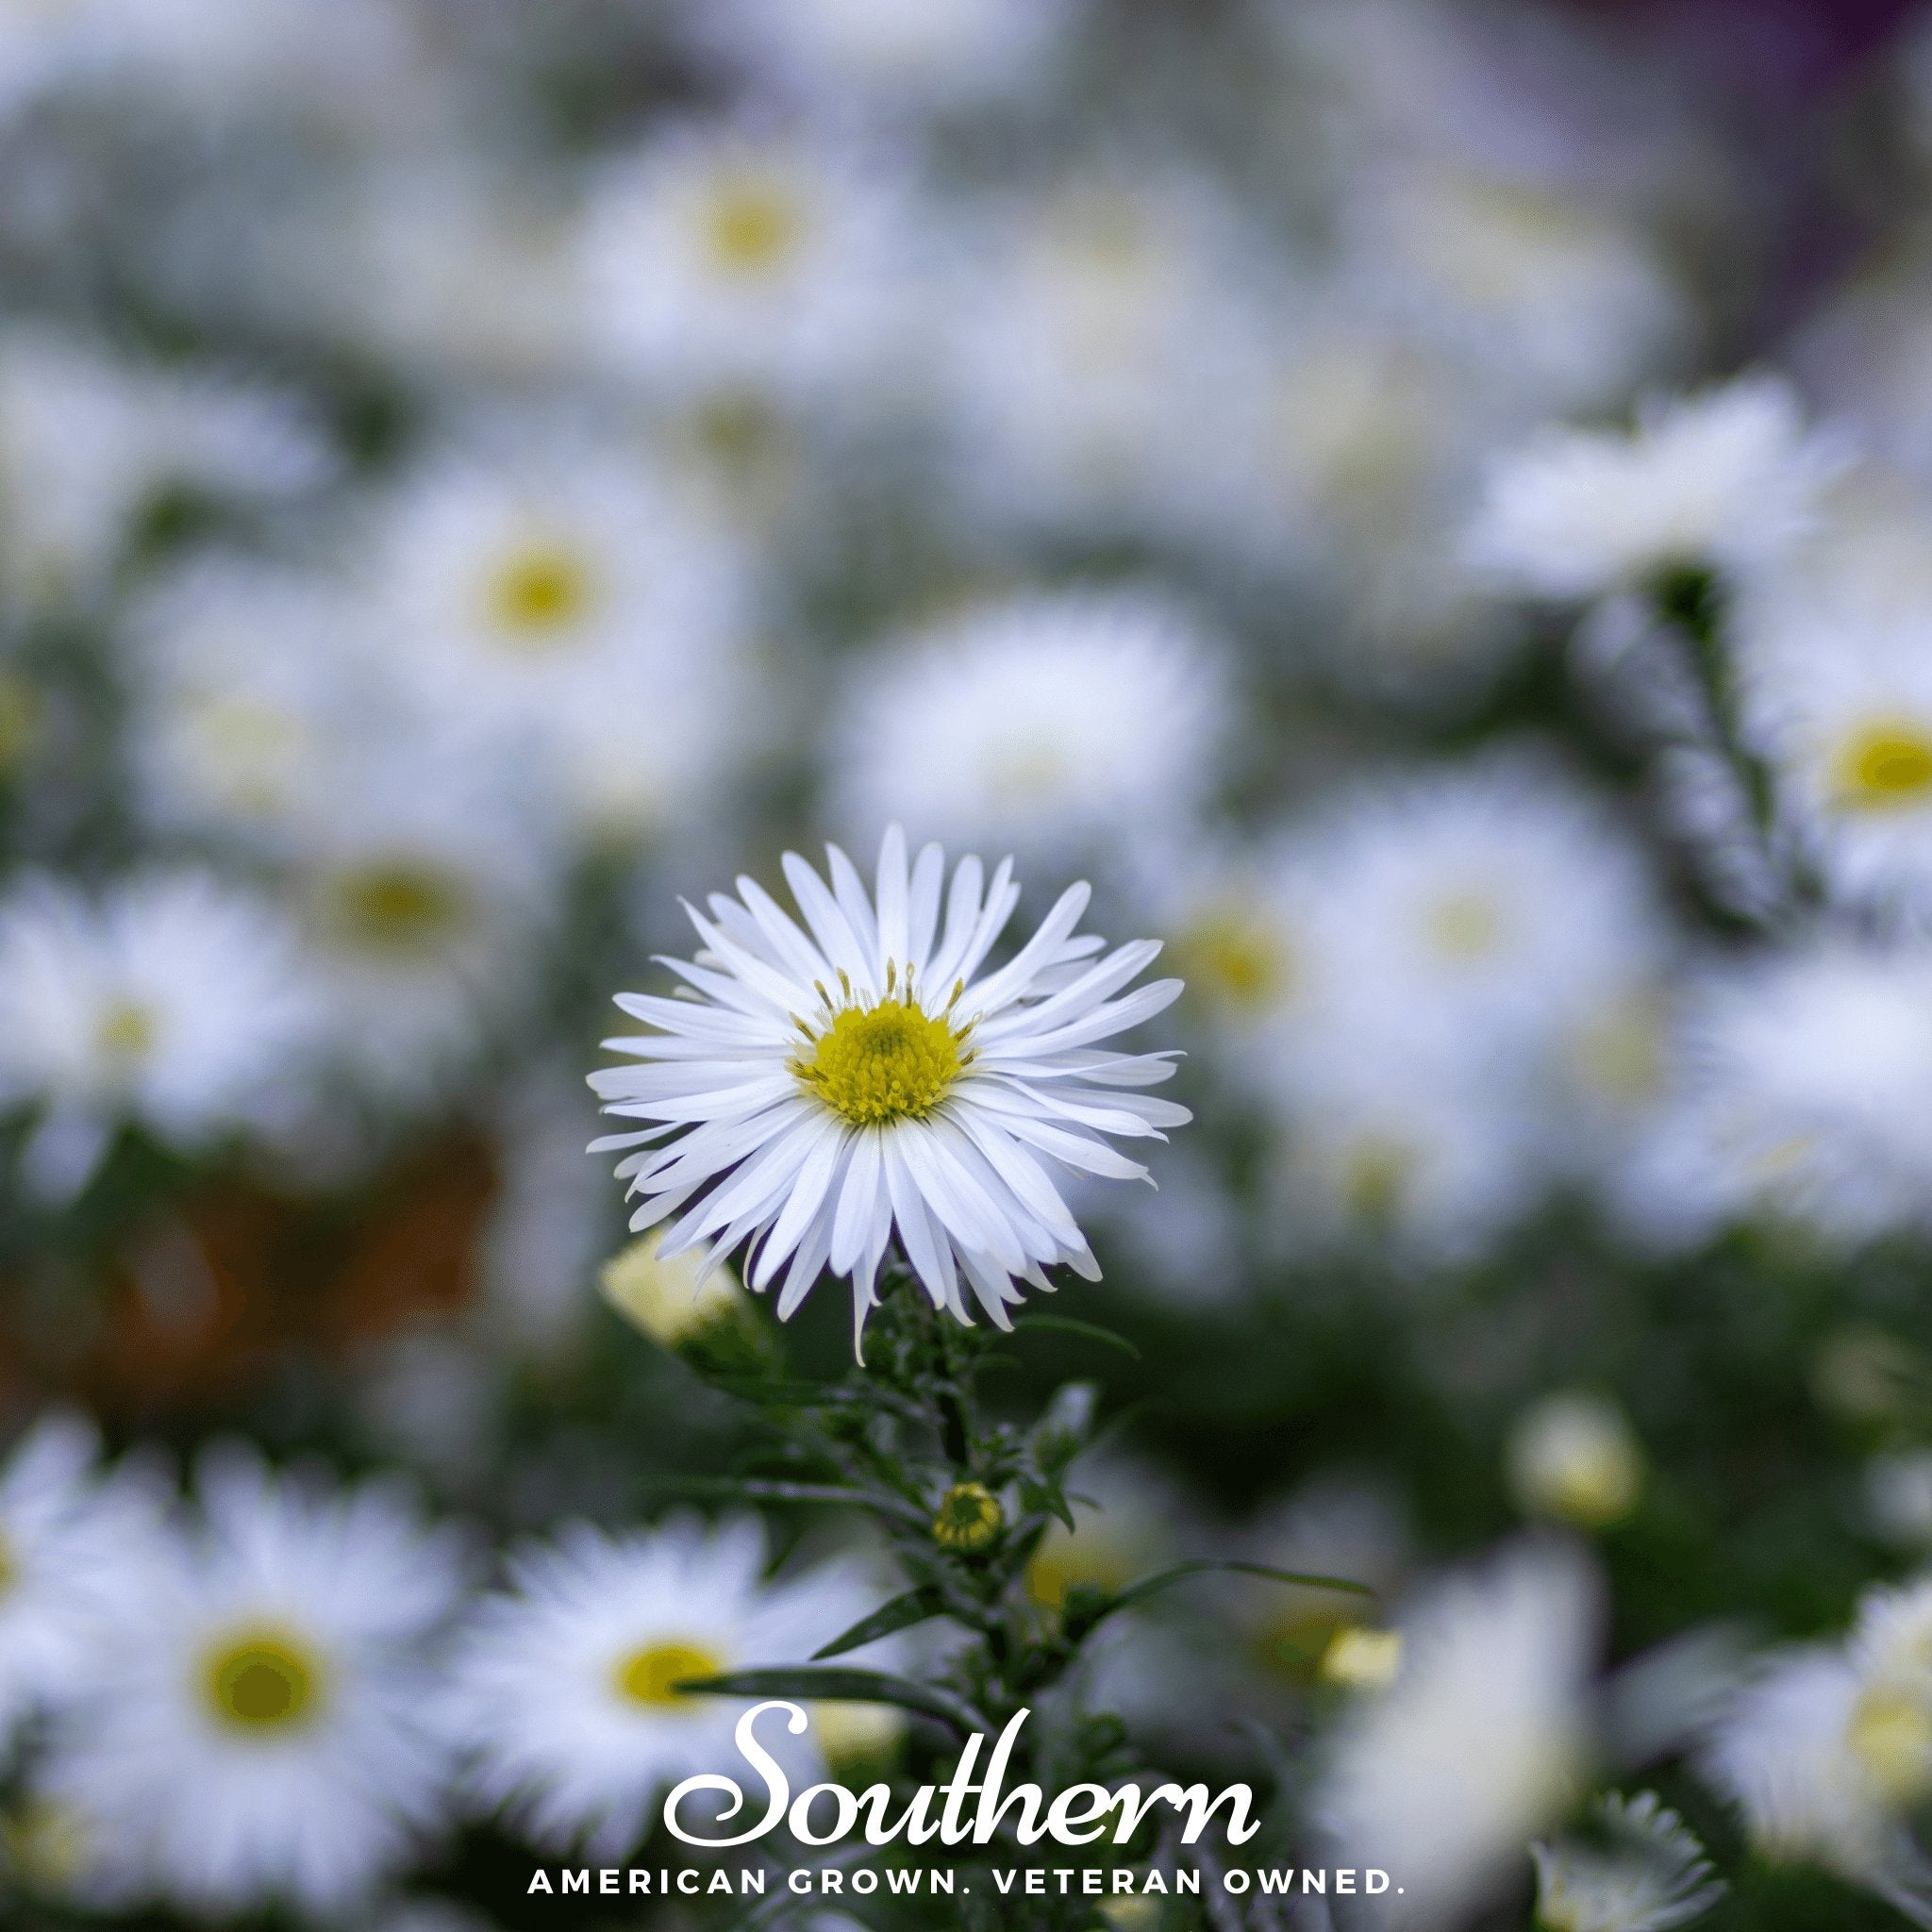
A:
[(1641, 1870), (1567, 299), (1481, 910), (1058, 722), (774, 263), (1573, 1455), (47, 43), (1104, 354), (1726, 480), (1803, 1094), (463, 268), (89, 442), (885, 55), (171, 1000), (1840, 705), (1824, 1771), (565, 1690), (1429, 1162), (70, 1546), (255, 1722), (874, 1080), (424, 884), (246, 676), (1481, 1739), (558, 599)]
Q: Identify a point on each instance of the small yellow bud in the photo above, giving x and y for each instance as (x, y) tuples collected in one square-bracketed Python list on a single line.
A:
[(856, 1734), (1575, 1457), (970, 1517), (1362, 1659), (664, 1299)]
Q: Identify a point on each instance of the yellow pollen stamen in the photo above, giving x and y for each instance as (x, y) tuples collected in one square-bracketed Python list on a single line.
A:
[(753, 226), (540, 594), (1886, 764), (262, 1681), (647, 1676), (125, 1030), (398, 905), (889, 1062)]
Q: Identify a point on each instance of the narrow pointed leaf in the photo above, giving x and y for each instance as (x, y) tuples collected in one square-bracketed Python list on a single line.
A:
[(915, 1607), (1092, 1331)]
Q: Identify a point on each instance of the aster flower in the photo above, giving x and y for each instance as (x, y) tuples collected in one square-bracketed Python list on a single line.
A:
[(769, 262), (555, 598), (172, 1000), (67, 1545), (1643, 1872), (1803, 1094), (565, 1690), (253, 1725), (1054, 721), (926, 55), (1727, 480), (821, 1091), (1481, 1736)]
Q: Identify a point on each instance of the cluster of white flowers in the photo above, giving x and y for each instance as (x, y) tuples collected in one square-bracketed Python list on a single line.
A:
[(284, 1691)]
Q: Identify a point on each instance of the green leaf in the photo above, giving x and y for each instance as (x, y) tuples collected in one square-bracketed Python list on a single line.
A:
[(841, 1686), (762, 1489), (1136, 1592), (1047, 1499), (915, 1607), (1066, 1325)]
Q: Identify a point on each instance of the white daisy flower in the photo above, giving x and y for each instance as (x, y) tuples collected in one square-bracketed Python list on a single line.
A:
[(1643, 1872), (1804, 1095), (1481, 1739), (1055, 722), (561, 602), (565, 1690), (1726, 480), (827, 1091), (1824, 1771), (725, 260), (924, 55), (255, 1727), (1840, 705), (68, 1543), (87, 442), (170, 1000)]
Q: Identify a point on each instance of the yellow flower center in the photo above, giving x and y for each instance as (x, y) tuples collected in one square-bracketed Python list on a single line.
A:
[(873, 1065), (648, 1677), (753, 227), (1884, 765), (1362, 1659), (1891, 1735), (398, 905), (538, 596), (1235, 960), (1464, 925), (125, 1030), (262, 1681)]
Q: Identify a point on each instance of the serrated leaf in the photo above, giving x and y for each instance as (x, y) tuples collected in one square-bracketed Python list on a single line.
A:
[(841, 1686), (915, 1607)]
